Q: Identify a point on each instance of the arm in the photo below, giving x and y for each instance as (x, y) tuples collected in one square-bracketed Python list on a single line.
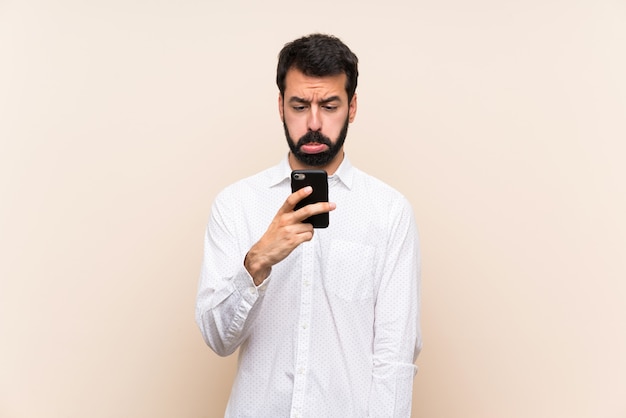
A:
[(397, 338), (226, 292), (232, 284)]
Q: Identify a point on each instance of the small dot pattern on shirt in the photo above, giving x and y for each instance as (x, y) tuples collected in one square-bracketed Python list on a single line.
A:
[(334, 330)]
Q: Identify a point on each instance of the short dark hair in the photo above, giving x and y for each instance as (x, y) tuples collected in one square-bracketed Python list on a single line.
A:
[(318, 55)]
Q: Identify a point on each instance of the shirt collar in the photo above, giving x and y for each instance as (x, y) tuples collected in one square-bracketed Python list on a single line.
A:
[(344, 173), (282, 172)]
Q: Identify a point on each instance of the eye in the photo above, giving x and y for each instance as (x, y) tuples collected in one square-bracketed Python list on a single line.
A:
[(299, 108), (330, 108)]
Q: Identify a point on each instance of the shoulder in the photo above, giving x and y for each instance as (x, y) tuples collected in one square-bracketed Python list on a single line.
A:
[(371, 211), (247, 187), (377, 190)]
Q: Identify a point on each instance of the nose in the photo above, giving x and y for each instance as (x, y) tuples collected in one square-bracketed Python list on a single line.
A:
[(314, 123)]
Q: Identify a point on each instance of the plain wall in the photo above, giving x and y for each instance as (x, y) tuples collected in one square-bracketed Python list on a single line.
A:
[(503, 122)]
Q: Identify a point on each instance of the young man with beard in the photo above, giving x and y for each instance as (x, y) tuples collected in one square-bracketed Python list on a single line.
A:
[(326, 321)]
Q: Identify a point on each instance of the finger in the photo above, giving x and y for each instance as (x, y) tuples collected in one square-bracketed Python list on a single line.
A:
[(313, 209), (292, 236), (294, 198), (306, 234)]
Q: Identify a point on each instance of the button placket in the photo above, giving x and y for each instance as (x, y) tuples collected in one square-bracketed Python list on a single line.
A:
[(302, 356)]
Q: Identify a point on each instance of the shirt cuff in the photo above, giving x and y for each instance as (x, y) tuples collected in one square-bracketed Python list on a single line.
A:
[(245, 285)]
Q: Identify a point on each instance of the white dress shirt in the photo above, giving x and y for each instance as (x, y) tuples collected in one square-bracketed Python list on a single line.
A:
[(334, 330)]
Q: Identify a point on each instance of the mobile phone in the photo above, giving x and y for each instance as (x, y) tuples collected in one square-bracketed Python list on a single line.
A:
[(318, 180)]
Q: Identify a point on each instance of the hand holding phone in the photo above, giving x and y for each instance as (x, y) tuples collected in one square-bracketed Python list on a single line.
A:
[(318, 180), (287, 231)]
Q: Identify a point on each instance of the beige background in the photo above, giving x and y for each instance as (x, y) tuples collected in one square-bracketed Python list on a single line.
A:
[(504, 123)]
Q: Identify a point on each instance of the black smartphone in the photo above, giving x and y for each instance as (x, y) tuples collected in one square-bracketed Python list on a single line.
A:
[(318, 180)]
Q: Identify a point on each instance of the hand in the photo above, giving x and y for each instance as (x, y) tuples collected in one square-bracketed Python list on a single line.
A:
[(285, 233)]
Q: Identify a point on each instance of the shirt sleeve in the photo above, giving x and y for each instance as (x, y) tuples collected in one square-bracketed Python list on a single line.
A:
[(397, 335), (228, 301)]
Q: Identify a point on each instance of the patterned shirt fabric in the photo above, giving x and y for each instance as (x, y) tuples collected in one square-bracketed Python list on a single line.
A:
[(334, 330)]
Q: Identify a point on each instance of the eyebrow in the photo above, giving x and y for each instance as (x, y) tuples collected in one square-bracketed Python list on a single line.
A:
[(295, 99)]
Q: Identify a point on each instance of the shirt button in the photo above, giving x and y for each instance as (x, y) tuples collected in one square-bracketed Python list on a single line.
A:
[(307, 283), (304, 326), (252, 290), (301, 370)]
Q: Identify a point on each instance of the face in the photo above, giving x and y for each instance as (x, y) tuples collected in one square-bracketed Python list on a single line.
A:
[(316, 113)]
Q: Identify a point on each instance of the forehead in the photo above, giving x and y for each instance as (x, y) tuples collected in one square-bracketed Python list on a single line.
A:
[(301, 85)]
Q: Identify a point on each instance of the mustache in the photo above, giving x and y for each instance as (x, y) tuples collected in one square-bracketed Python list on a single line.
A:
[(314, 136)]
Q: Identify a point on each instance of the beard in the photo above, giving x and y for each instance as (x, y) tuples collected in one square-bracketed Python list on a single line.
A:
[(321, 158)]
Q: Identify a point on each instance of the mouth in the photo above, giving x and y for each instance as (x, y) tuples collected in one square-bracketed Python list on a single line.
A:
[(313, 148)]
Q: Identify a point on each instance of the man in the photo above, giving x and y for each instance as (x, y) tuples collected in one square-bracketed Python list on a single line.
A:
[(326, 320)]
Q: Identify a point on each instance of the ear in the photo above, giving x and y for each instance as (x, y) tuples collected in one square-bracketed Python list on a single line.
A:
[(352, 109), (281, 109)]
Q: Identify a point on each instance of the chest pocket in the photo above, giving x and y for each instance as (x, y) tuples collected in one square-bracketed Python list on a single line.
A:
[(350, 270)]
